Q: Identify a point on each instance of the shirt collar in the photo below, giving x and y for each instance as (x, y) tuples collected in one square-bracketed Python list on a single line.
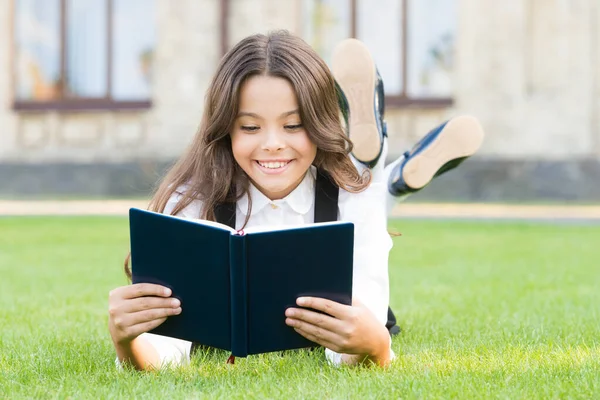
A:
[(300, 200)]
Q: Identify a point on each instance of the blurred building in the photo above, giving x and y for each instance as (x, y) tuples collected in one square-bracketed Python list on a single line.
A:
[(97, 97)]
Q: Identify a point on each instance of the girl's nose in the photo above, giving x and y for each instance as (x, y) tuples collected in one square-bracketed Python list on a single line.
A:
[(273, 140)]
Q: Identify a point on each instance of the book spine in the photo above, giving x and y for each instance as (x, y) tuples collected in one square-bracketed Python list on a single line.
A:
[(239, 295)]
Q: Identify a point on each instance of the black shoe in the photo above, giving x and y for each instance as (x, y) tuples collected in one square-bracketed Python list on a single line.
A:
[(361, 97), (441, 150), (391, 324)]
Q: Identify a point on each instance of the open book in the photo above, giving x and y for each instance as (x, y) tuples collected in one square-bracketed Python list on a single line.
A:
[(235, 286)]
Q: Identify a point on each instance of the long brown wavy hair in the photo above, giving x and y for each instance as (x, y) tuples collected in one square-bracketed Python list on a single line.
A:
[(208, 169)]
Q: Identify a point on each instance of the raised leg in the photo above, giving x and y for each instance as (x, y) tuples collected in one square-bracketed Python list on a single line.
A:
[(439, 151)]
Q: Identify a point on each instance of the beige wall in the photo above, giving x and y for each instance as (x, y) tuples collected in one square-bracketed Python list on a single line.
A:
[(529, 69), (259, 16), (188, 51), (526, 68)]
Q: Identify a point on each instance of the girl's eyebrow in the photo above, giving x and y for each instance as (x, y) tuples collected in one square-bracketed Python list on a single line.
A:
[(253, 115), (288, 113)]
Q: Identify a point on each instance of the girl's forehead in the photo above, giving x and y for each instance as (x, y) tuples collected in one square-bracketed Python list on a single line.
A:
[(267, 95)]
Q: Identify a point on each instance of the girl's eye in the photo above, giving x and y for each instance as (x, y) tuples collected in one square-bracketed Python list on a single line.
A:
[(249, 128), (293, 127)]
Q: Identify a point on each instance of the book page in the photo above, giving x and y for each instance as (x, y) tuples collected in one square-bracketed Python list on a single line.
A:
[(211, 223), (275, 228), (214, 224)]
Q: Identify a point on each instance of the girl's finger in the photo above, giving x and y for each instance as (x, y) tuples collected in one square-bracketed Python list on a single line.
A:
[(316, 333), (145, 289), (327, 306), (318, 340), (314, 318), (149, 303), (152, 315)]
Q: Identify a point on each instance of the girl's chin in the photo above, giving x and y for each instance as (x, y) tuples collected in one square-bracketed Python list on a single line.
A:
[(275, 192), (275, 188)]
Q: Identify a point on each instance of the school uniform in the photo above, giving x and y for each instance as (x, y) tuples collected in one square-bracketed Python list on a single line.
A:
[(372, 243)]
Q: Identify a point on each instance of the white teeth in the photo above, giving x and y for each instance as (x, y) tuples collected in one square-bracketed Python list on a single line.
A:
[(273, 165)]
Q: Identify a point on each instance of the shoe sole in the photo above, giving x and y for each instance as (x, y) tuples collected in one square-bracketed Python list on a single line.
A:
[(354, 70), (461, 137)]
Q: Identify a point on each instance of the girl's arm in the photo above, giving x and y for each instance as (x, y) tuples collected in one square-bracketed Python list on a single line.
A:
[(138, 353), (150, 351), (135, 310)]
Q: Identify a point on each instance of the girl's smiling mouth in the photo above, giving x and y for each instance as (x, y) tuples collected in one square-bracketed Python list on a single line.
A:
[(273, 166)]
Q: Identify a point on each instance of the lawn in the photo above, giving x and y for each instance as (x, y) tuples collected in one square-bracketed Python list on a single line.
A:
[(488, 310)]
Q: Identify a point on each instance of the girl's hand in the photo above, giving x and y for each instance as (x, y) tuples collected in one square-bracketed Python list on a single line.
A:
[(352, 330), (135, 309)]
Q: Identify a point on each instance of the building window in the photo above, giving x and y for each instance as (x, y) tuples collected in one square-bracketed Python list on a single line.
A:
[(412, 42), (83, 54)]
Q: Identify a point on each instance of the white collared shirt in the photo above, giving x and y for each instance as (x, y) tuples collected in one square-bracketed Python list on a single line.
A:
[(372, 243)]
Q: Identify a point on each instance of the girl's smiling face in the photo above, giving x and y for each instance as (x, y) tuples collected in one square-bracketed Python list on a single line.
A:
[(268, 140)]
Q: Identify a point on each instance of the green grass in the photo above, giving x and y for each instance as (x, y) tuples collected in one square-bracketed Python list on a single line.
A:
[(488, 310)]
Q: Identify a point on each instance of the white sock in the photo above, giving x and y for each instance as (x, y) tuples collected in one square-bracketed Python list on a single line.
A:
[(391, 200)]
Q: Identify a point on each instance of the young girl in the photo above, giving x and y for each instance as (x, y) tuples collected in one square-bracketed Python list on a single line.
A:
[(271, 119)]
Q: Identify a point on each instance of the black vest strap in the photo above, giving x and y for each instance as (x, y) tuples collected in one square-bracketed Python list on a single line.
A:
[(225, 214), (326, 198)]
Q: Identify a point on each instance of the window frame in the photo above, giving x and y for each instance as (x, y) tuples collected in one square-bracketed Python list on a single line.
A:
[(106, 103)]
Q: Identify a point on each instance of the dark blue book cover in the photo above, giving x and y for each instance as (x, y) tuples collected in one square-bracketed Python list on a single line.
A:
[(234, 287)]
